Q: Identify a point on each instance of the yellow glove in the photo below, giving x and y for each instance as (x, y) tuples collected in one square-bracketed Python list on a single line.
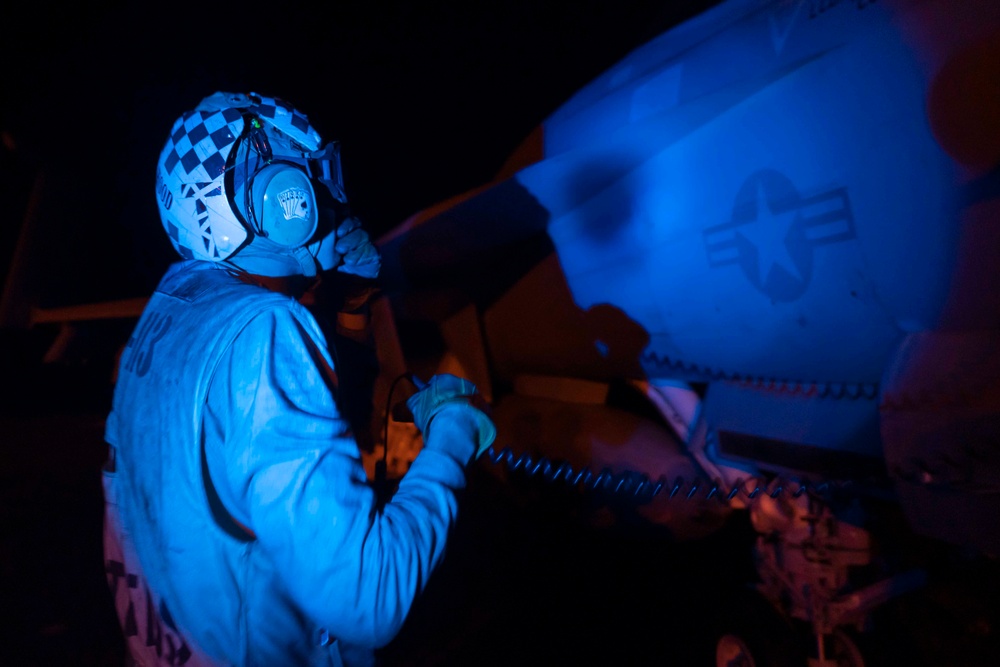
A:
[(447, 390)]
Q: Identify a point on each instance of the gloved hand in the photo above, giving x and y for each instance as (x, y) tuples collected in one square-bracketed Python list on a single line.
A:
[(446, 390), (359, 256)]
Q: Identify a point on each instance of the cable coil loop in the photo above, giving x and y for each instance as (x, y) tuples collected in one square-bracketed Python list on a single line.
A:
[(640, 487)]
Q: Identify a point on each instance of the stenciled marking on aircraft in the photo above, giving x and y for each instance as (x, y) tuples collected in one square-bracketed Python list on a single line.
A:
[(660, 365), (781, 24), (817, 7), (773, 233), (782, 19)]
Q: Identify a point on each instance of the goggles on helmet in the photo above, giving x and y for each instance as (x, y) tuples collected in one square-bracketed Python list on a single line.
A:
[(322, 165)]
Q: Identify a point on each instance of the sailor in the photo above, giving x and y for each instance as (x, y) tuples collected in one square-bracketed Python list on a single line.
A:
[(241, 528)]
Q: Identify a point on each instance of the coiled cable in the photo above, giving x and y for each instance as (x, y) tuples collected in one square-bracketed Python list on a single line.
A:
[(639, 487), (634, 486)]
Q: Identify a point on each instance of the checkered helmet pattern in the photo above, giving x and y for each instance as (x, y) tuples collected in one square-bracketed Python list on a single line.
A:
[(195, 209), (283, 116)]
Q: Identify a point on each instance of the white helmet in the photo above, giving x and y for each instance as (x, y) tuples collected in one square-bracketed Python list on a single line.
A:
[(242, 165)]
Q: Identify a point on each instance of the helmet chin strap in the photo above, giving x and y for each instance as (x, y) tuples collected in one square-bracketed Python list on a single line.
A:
[(324, 252), (306, 261)]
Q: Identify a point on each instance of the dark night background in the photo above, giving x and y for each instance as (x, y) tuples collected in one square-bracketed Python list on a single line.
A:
[(428, 100)]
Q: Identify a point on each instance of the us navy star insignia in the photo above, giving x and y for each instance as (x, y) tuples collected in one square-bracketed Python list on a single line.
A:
[(774, 230)]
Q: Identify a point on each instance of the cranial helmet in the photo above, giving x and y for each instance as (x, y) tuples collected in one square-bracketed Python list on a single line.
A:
[(240, 166)]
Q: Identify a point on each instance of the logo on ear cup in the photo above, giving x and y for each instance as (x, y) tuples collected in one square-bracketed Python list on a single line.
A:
[(294, 202), (287, 207)]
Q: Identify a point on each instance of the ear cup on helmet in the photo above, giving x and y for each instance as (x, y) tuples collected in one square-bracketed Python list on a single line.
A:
[(284, 205)]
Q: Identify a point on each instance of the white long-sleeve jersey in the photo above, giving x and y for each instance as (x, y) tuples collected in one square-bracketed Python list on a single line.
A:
[(238, 492)]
